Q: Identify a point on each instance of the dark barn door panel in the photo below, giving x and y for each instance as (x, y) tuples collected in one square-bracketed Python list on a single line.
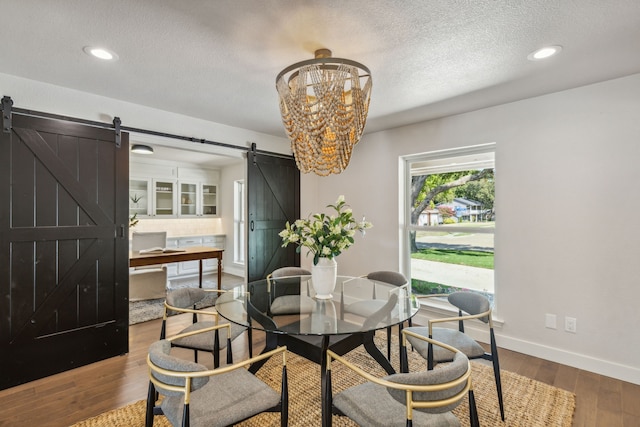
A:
[(63, 247), (273, 188)]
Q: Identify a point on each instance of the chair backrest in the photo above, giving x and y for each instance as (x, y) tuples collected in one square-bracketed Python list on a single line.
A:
[(390, 277), (147, 240), (381, 313), (185, 297), (159, 356), (446, 374), (471, 303), (289, 271)]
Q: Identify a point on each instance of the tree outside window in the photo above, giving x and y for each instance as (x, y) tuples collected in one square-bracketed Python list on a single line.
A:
[(452, 222)]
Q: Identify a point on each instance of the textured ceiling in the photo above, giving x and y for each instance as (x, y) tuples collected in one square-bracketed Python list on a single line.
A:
[(217, 60)]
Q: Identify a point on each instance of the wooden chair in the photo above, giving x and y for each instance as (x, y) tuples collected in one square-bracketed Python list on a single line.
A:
[(423, 398), (470, 305), (196, 396)]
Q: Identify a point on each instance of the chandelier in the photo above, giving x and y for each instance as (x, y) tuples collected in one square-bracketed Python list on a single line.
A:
[(324, 104)]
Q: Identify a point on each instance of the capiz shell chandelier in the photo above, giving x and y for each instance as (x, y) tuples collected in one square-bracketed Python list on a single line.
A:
[(324, 104)]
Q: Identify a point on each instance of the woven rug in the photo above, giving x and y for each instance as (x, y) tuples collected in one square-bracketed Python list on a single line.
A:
[(528, 402)]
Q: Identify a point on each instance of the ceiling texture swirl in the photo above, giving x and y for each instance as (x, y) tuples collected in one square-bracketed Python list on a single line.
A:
[(218, 60)]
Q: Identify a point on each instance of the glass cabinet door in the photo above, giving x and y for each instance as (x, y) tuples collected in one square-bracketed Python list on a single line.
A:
[(139, 197), (188, 198), (164, 191), (209, 200)]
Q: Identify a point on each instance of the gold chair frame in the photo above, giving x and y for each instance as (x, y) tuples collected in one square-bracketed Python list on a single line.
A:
[(216, 356), (189, 376), (409, 389)]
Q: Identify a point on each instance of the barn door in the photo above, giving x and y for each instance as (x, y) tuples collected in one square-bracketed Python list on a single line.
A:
[(64, 247), (273, 188)]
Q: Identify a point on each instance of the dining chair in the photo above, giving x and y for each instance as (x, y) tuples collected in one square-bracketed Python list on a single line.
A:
[(424, 398), (185, 300), (470, 305), (195, 396), (148, 282), (365, 308), (280, 302)]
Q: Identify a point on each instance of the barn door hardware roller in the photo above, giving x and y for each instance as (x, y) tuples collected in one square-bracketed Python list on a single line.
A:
[(7, 102), (116, 126)]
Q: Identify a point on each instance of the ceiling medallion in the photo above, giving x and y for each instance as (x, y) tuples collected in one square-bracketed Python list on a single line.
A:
[(324, 104)]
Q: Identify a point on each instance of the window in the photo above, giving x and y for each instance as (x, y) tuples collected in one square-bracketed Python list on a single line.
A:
[(238, 221), (449, 220)]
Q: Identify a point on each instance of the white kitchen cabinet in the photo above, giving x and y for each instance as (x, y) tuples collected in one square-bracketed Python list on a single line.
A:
[(149, 198), (164, 198), (197, 199), (209, 200), (139, 197), (188, 199), (161, 191)]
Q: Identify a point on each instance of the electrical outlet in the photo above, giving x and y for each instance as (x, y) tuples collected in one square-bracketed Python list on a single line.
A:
[(550, 321), (570, 324)]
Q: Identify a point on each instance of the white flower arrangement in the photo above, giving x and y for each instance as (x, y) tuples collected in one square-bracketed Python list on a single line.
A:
[(326, 236)]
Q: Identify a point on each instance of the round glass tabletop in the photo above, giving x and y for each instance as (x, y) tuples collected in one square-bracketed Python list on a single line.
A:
[(288, 305)]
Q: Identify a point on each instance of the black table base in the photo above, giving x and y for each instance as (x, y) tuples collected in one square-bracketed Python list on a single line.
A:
[(314, 348)]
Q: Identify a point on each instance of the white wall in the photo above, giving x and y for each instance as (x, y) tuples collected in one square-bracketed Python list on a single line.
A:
[(566, 199), (44, 97)]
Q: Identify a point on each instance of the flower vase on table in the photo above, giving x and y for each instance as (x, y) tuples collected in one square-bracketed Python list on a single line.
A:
[(326, 237), (323, 277)]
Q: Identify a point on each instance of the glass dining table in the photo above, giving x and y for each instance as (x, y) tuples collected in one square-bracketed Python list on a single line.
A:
[(288, 312)]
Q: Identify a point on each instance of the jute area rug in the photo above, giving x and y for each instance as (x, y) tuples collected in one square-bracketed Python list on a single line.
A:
[(528, 402)]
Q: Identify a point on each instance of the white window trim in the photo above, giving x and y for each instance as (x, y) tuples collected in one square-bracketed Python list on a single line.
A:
[(239, 204), (404, 222)]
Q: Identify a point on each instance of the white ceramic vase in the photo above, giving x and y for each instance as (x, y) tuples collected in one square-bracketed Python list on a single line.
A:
[(323, 277)]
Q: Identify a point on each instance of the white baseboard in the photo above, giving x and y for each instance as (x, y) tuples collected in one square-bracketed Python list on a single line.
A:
[(479, 332), (235, 270), (580, 361)]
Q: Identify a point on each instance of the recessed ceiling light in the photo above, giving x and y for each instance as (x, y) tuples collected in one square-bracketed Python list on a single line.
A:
[(543, 53), (141, 149), (100, 52)]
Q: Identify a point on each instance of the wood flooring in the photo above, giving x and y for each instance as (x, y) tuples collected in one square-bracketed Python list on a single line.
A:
[(64, 399)]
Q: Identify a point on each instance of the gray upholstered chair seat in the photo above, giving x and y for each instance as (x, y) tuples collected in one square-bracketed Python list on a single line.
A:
[(371, 404), (205, 341), (224, 400), (196, 396), (455, 338), (471, 306), (365, 308), (386, 402), (183, 300), (292, 304)]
